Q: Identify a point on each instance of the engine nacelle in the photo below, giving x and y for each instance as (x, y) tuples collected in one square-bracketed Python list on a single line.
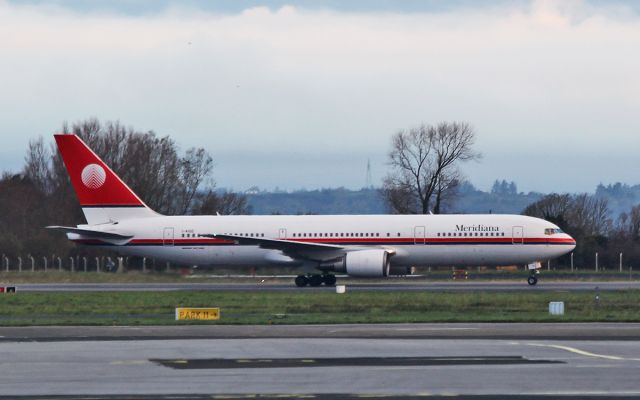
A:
[(365, 263)]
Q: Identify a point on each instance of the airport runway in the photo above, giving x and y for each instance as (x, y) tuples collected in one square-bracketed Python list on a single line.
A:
[(462, 286), (592, 331), (392, 366)]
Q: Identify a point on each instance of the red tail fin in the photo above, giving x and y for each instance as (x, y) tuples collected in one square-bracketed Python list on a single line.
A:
[(96, 185)]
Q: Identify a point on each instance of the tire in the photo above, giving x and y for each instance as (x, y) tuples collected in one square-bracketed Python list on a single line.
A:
[(329, 280), (532, 280), (315, 280), (301, 281)]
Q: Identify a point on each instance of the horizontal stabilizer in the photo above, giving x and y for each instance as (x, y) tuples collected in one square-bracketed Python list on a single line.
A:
[(109, 237)]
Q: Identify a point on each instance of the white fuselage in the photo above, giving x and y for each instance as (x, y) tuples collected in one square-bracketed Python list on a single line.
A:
[(414, 240)]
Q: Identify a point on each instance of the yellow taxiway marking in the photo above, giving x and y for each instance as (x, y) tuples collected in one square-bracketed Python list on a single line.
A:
[(577, 351)]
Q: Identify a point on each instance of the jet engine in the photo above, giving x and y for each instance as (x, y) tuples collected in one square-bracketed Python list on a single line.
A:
[(365, 263)]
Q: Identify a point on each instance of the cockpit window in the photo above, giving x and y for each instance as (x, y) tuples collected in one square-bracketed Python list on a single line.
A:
[(552, 231)]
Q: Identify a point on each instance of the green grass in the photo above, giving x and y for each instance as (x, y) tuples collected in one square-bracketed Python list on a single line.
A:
[(157, 308), (54, 276)]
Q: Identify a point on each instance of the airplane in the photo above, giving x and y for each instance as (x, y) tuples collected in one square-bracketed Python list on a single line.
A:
[(320, 246)]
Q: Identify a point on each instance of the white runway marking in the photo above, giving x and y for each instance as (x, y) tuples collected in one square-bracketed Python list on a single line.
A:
[(578, 351)]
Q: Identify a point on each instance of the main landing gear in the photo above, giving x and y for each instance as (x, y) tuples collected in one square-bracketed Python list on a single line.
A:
[(315, 280), (532, 280)]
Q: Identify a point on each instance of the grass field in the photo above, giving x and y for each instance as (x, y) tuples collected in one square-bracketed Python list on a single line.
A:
[(53, 276), (157, 308)]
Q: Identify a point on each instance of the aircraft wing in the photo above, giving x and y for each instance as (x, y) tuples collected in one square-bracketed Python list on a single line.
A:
[(292, 248), (109, 237)]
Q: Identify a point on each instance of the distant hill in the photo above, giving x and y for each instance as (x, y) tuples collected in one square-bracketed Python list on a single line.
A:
[(621, 197), (322, 201), (503, 198), (369, 201)]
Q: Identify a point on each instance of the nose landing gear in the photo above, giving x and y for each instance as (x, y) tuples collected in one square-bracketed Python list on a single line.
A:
[(315, 280), (534, 270)]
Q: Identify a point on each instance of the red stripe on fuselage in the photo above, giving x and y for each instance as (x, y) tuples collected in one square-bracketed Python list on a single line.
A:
[(487, 240)]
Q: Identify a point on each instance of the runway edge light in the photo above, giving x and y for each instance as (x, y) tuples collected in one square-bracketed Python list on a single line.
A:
[(197, 313)]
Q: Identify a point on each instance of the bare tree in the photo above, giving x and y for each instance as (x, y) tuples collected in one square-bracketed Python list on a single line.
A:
[(553, 207), (424, 162), (150, 165), (37, 165), (225, 203), (629, 224), (590, 215), (196, 165), (581, 215)]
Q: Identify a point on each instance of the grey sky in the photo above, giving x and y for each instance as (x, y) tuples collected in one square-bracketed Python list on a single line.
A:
[(302, 95)]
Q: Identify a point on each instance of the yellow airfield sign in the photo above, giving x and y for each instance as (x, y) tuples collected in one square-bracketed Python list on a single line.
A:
[(198, 313)]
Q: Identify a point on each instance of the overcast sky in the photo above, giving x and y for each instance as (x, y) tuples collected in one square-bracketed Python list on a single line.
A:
[(302, 94)]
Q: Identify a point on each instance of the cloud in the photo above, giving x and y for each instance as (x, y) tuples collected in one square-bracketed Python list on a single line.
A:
[(535, 79)]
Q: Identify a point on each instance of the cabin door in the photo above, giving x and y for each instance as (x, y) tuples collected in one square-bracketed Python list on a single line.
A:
[(518, 235), (282, 233), (419, 235), (167, 237)]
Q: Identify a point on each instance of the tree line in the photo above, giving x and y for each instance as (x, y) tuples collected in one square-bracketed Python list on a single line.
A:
[(41, 194), (589, 220)]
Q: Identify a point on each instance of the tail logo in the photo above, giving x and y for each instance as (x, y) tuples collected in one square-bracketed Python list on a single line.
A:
[(93, 176)]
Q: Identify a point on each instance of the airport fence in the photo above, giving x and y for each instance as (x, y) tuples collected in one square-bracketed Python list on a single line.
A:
[(29, 263), (109, 263)]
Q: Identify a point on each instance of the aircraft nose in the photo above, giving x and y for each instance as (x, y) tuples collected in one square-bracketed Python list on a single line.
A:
[(572, 242)]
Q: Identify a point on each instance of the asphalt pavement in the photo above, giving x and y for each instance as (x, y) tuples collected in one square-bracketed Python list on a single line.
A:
[(321, 368)]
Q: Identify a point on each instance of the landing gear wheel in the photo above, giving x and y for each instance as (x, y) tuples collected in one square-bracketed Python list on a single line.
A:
[(315, 280), (301, 281), (329, 280), (532, 280)]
